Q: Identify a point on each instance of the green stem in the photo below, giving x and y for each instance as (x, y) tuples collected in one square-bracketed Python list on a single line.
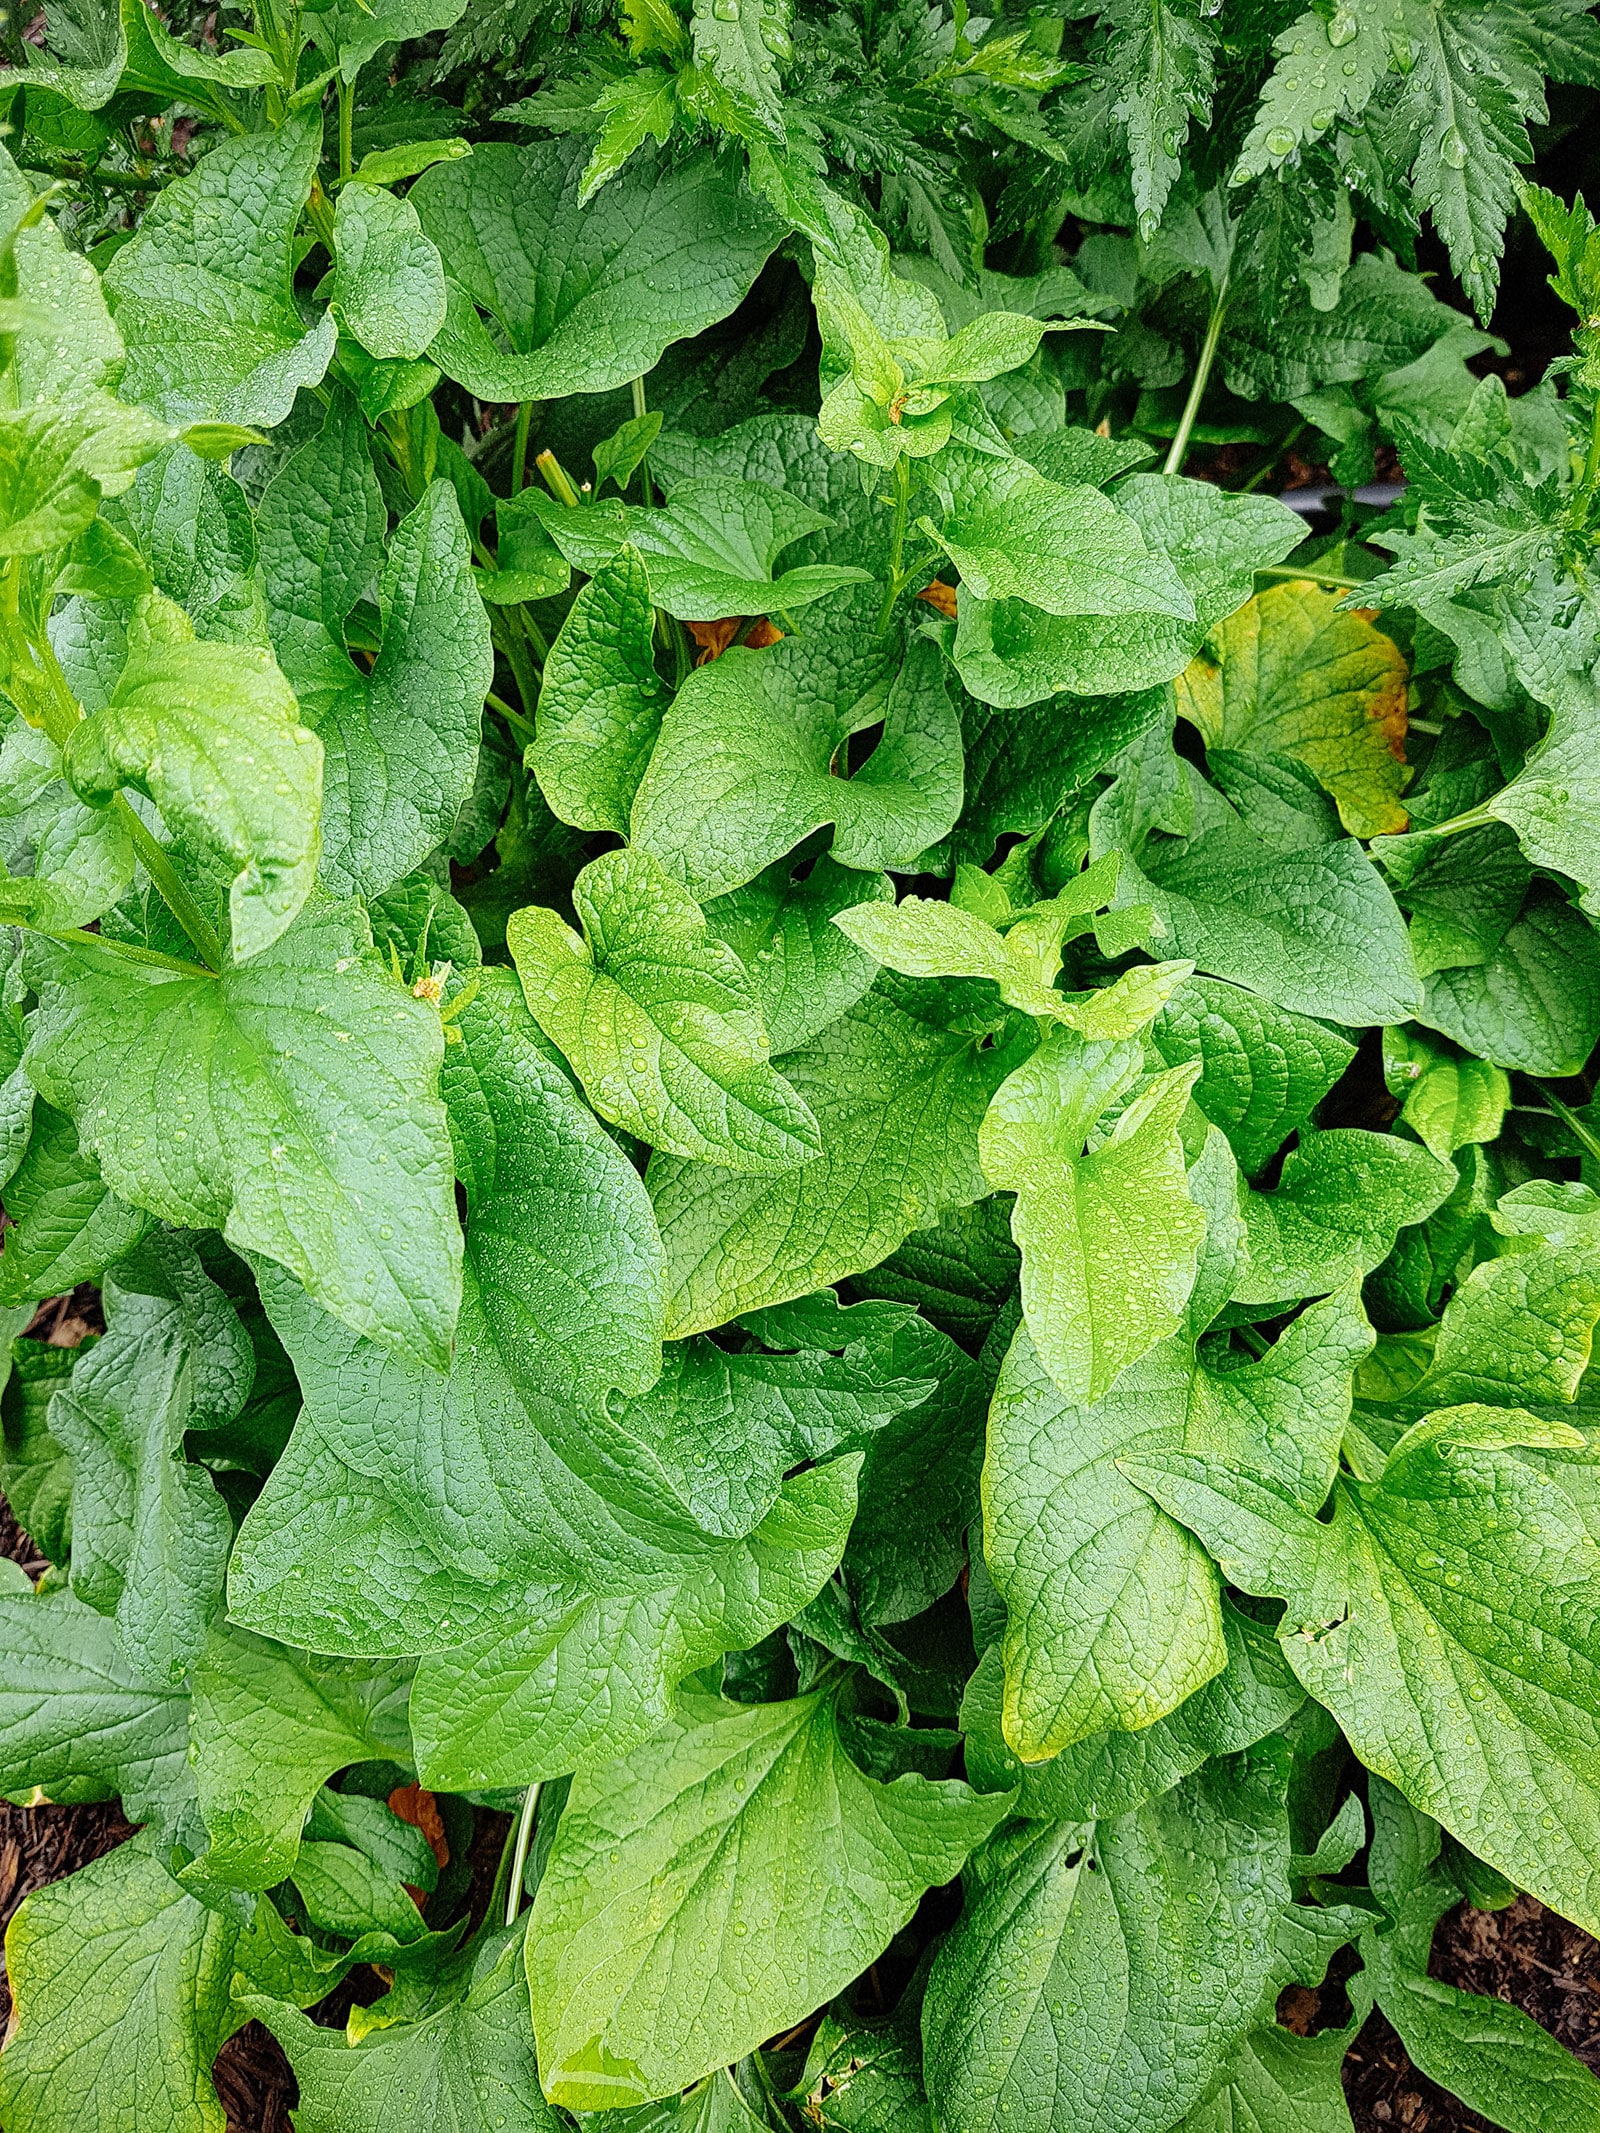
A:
[(1310, 570), (1173, 463), (1274, 454), (513, 645), (537, 641), (521, 727), (1585, 1135), (557, 480), (644, 464), (130, 951), (897, 541), (519, 449), (73, 168), (519, 1856), (173, 892), (1591, 465), (347, 116)]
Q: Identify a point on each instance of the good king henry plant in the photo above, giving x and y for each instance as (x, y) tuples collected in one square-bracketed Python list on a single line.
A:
[(833, 1138)]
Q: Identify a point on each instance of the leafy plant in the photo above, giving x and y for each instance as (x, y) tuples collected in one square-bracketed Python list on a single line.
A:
[(832, 1137)]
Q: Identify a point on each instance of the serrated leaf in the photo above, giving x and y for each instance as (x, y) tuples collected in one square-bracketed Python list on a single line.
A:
[(202, 288), (1328, 68), (659, 1019), (270, 1102), (743, 769), (587, 297), (631, 1849)]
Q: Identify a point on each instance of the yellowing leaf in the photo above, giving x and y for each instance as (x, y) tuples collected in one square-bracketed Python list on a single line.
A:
[(1292, 675)]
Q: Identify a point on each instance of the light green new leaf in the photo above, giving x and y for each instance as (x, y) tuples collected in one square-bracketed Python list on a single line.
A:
[(586, 297), (202, 290), (1450, 1102), (1008, 652), (1100, 1973), (401, 738), (1263, 1069), (744, 767), (1109, 1237), (212, 734), (898, 1086), (68, 862), (600, 700), (1068, 550), (269, 1726), (1447, 1617), (465, 2066), (78, 1723), (59, 458), (1341, 1199), (1294, 675), (781, 927), (1517, 1332), (711, 551), (291, 1104), (388, 283), (633, 1897), (150, 1534), (122, 1987), (77, 350), (65, 1227), (741, 54), (659, 1019), (351, 31)]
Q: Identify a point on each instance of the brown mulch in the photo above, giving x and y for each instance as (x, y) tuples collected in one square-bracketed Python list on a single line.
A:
[(1524, 1954)]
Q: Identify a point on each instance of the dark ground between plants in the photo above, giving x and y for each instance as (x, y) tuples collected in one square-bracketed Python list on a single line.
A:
[(1525, 1955)]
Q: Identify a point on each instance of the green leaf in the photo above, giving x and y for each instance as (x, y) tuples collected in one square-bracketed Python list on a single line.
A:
[(1100, 1972), (65, 1226), (58, 459), (351, 31), (77, 1721), (1341, 1199), (659, 1019), (35, 1473), (77, 350), (1025, 764), (1494, 2057), (743, 770), (1535, 1004), (633, 1848), (389, 281), (865, 2077), (401, 738), (1553, 803), (1109, 1237), (1314, 930), (586, 297), (781, 926), (711, 551), (271, 1102), (1292, 675), (741, 53), (212, 734), (1328, 68), (898, 1088), (1463, 1552), (1517, 1332), (1069, 550), (1273, 2080), (1263, 1070), (122, 1988), (269, 1727), (466, 2066), (150, 1534), (202, 291), (1160, 65), (1113, 1612), (1008, 652), (601, 700), (1450, 1102)]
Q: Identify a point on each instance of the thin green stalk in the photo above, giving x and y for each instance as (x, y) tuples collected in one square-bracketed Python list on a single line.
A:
[(509, 641), (519, 1856), (520, 726), (1310, 570), (1591, 465), (173, 893), (1173, 463), (129, 951), (557, 480), (1584, 1135), (1274, 454), (644, 464), (519, 449), (530, 629), (347, 116), (897, 542)]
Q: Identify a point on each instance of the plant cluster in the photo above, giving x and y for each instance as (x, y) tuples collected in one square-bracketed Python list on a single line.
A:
[(831, 1135)]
